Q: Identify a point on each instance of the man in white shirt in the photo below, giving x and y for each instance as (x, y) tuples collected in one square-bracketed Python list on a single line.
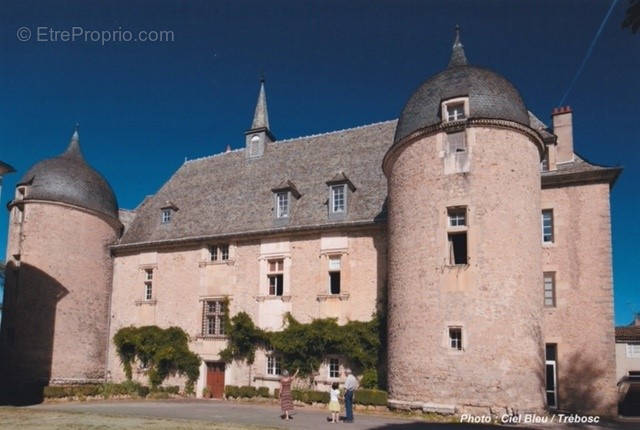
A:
[(350, 386)]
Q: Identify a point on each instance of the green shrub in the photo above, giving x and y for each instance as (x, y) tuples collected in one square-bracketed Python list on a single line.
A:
[(263, 392), (371, 397), (158, 395), (232, 391), (248, 392), (369, 379), (310, 396), (171, 389), (276, 393), (60, 391)]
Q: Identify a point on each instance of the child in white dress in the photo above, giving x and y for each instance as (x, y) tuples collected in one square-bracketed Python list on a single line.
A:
[(334, 403)]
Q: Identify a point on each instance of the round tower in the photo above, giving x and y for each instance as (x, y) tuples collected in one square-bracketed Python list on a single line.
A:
[(465, 279), (58, 275)]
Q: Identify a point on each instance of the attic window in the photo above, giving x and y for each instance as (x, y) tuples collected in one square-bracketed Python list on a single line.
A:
[(455, 109), (166, 216), (338, 198), (283, 194)]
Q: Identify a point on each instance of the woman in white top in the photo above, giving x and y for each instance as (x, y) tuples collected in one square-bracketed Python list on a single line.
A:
[(334, 403)]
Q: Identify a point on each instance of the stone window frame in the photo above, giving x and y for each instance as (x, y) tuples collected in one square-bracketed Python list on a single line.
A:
[(217, 315), (446, 339), (444, 108), (278, 273), (148, 284), (149, 292), (332, 270), (452, 230), (219, 252)]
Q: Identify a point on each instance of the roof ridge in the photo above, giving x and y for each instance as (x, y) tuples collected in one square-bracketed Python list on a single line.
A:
[(206, 157), (336, 131)]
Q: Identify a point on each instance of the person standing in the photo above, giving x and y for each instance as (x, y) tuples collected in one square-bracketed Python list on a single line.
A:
[(350, 386), (286, 400), (334, 403)]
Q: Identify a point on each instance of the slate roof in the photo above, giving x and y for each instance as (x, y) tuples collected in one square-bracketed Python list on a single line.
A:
[(579, 171), (68, 178), (229, 194), (490, 95), (628, 333)]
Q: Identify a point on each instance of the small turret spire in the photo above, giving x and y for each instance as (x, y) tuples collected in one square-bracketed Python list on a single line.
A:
[(261, 116), (74, 144), (458, 57)]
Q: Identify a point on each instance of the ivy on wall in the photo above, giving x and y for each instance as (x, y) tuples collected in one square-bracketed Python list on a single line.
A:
[(163, 351), (305, 346)]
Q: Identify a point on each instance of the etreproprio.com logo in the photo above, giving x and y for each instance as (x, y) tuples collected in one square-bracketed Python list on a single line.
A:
[(44, 34)]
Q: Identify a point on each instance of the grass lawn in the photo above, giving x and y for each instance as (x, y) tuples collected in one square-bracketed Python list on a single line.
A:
[(22, 418)]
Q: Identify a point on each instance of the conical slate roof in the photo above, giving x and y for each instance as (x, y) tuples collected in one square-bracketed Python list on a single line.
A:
[(490, 95), (68, 178)]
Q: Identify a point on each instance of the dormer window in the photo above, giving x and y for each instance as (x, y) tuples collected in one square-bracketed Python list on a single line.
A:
[(21, 193), (167, 212), (455, 112), (455, 109), (338, 198), (166, 216), (282, 204), (283, 200), (339, 187)]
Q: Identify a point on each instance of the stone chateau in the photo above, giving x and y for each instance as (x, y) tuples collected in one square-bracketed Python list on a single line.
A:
[(478, 230)]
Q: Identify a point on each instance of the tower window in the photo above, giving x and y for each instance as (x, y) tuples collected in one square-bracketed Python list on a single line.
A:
[(549, 289), (455, 111), (456, 142), (338, 198), (455, 338), (457, 217), (551, 353), (276, 277), (458, 248), (282, 204), (253, 145), (148, 284), (166, 216), (334, 274), (547, 226)]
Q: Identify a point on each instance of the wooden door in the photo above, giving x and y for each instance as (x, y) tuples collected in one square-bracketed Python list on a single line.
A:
[(215, 379)]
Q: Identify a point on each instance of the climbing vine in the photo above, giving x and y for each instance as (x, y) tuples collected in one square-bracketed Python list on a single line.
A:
[(163, 352), (305, 346)]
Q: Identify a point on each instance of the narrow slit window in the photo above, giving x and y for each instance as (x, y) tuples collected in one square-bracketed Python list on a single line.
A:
[(547, 226), (551, 353), (455, 338), (549, 289), (148, 284), (458, 248)]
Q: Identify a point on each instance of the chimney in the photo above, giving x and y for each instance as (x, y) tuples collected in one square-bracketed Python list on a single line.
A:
[(563, 129)]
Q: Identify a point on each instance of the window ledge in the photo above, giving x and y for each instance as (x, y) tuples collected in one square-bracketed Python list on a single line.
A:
[(269, 297), (212, 337), (325, 297), (146, 302), (204, 263), (457, 266), (266, 377), (548, 244)]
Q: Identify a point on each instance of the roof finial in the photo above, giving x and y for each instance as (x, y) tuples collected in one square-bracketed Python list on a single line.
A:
[(458, 58), (261, 116), (74, 144)]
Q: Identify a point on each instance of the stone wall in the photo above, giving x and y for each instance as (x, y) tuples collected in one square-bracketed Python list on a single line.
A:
[(495, 298), (581, 323), (57, 294), (183, 278)]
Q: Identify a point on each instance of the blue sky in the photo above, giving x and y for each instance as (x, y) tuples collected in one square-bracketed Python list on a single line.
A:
[(144, 107)]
